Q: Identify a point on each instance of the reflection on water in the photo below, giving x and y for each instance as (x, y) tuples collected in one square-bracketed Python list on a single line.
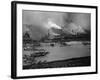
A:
[(58, 52)]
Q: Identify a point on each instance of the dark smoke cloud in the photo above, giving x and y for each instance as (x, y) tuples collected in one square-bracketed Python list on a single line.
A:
[(37, 19), (82, 19)]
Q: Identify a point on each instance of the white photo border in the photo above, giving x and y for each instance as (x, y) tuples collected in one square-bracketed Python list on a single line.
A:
[(19, 72)]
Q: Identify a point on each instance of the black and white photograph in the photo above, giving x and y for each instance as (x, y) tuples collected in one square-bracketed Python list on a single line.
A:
[(53, 39), (56, 39)]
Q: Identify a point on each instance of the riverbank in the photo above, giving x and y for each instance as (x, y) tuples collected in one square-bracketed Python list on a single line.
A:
[(74, 62)]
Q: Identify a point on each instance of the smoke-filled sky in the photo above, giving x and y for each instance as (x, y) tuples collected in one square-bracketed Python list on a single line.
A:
[(41, 21)]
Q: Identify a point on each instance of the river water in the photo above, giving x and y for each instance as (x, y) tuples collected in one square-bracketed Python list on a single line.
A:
[(73, 50)]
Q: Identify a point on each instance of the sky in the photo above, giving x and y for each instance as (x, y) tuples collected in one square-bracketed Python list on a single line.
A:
[(41, 21)]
